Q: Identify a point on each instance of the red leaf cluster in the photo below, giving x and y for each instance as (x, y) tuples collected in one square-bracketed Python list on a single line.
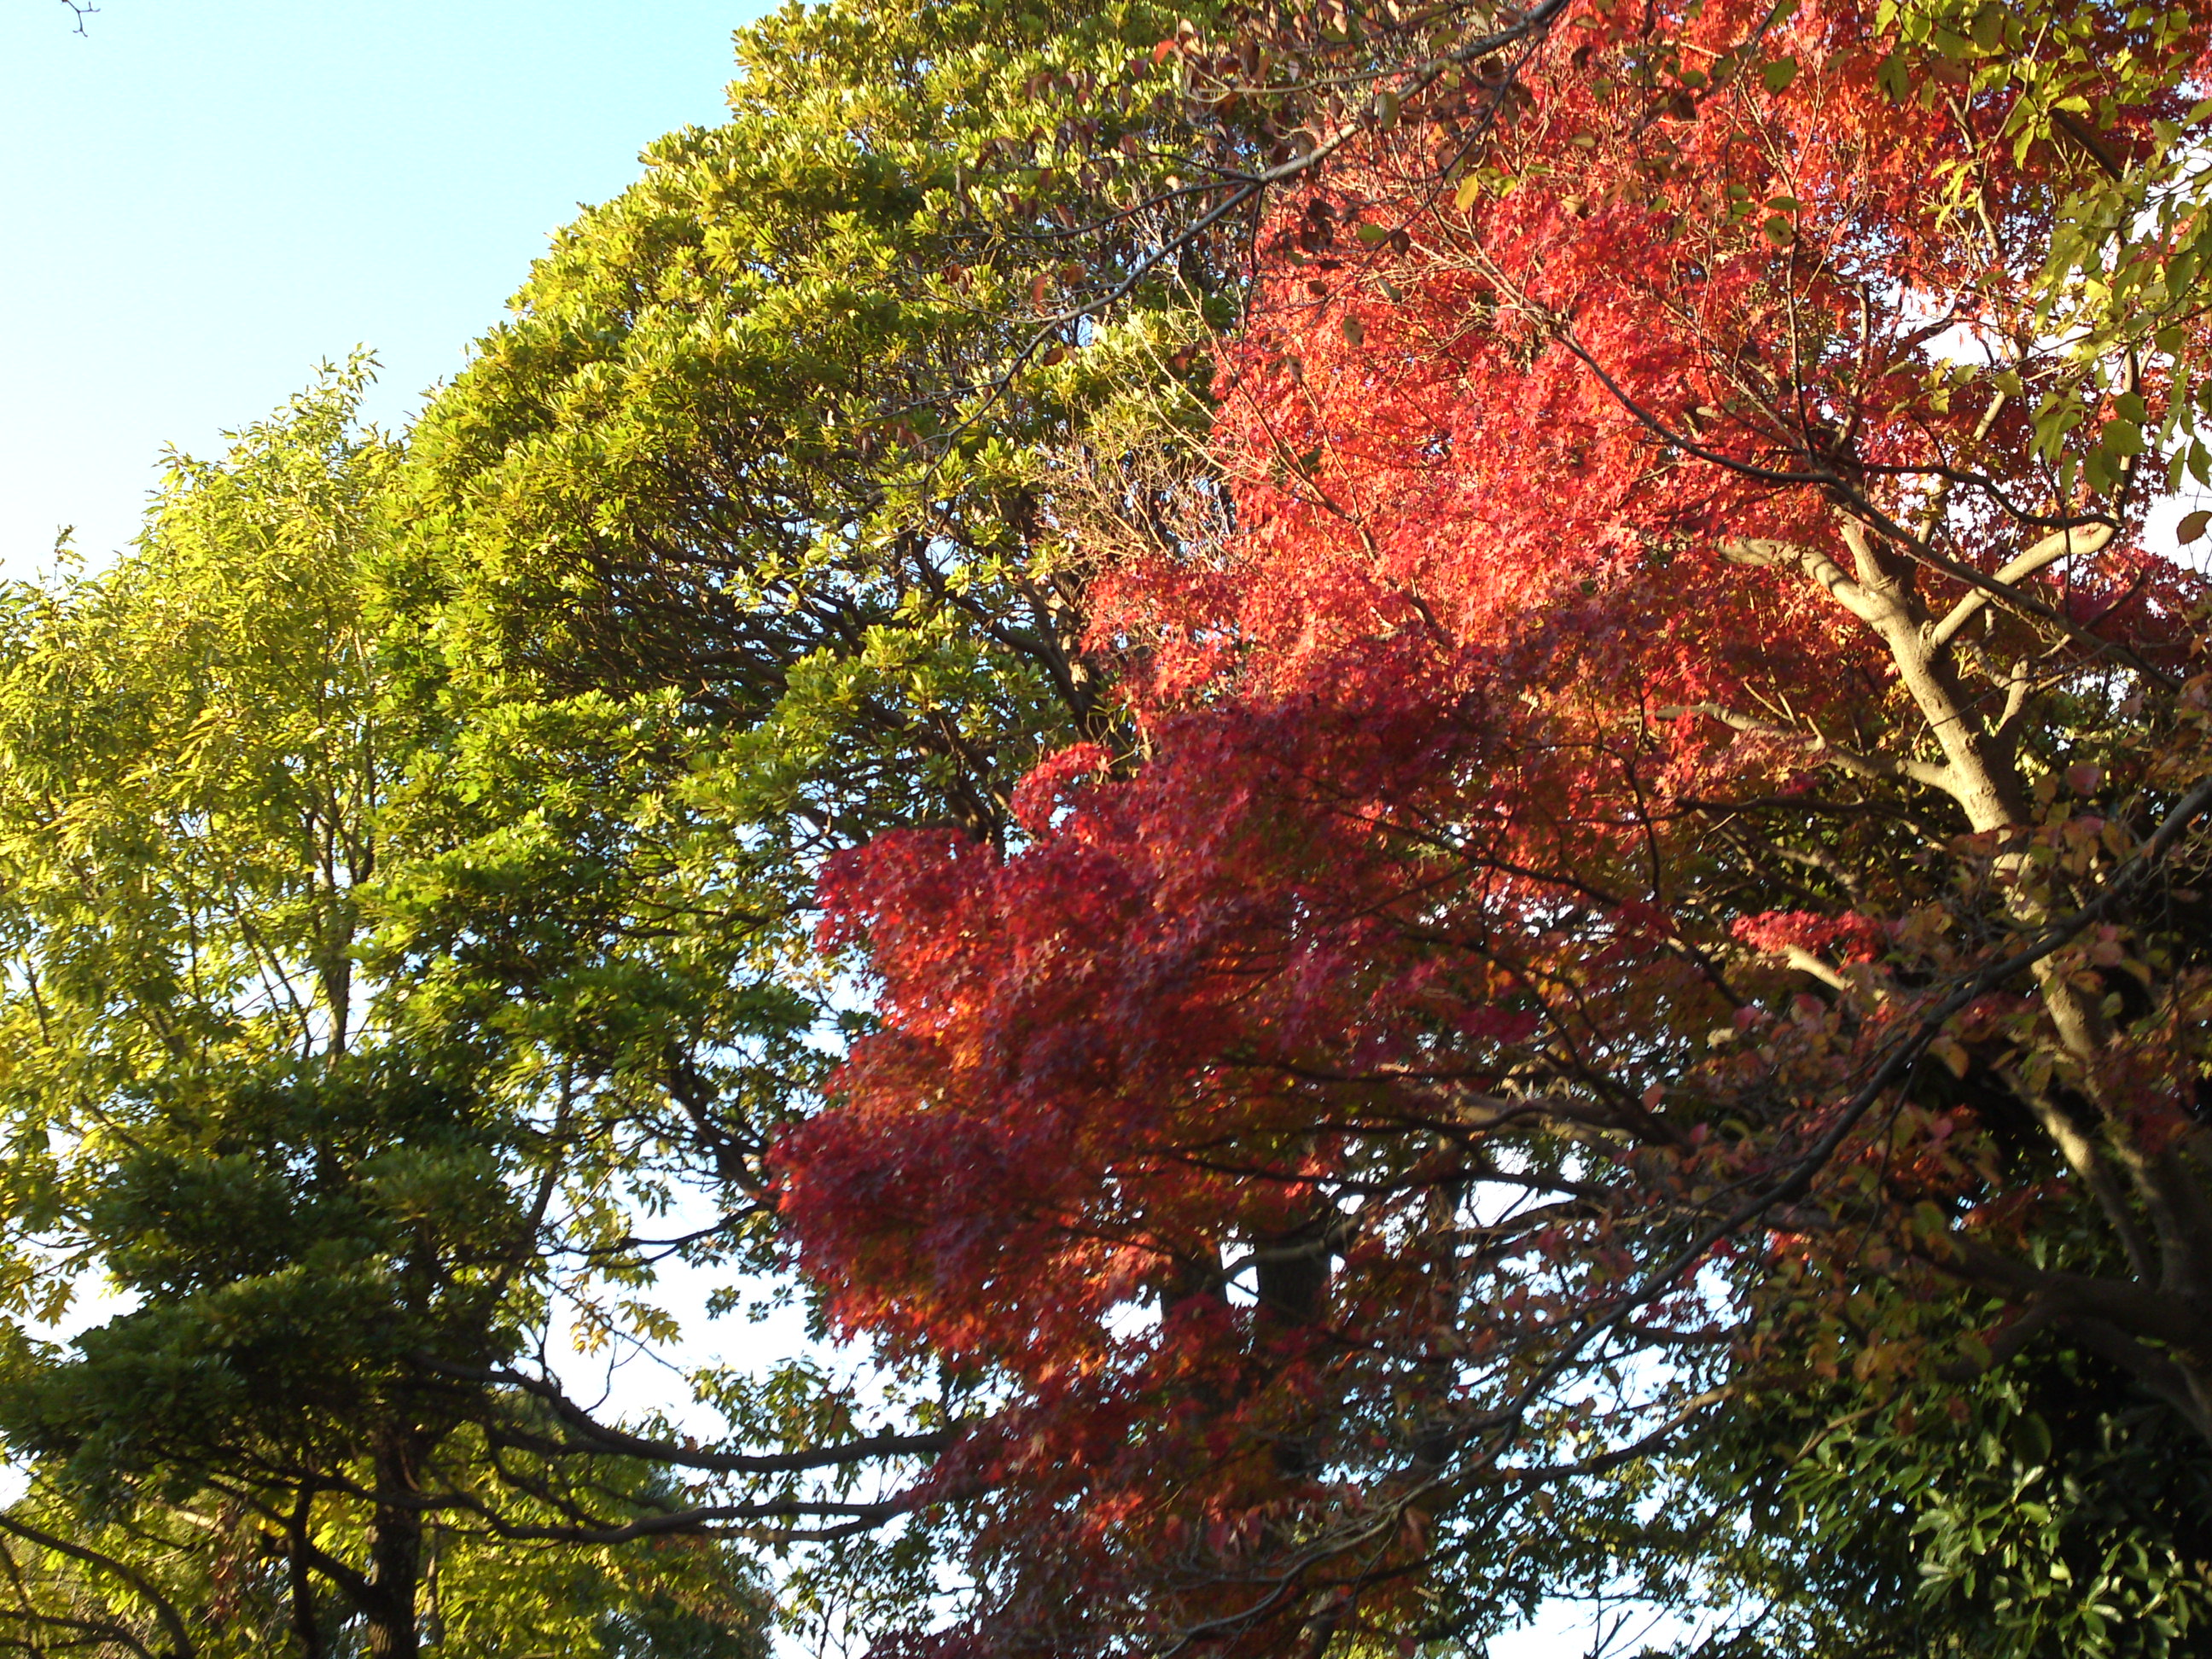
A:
[(1278, 1124)]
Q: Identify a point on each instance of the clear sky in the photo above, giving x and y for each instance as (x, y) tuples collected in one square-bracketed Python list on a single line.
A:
[(201, 199)]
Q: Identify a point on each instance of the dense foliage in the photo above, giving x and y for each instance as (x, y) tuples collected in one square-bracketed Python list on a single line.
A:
[(1666, 870), (313, 1219), (765, 494), (1414, 795)]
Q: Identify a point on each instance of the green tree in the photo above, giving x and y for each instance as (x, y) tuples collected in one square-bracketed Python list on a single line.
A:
[(770, 483), (202, 1575), (322, 1228)]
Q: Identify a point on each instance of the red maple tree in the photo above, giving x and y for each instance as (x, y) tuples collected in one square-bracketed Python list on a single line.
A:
[(1683, 760)]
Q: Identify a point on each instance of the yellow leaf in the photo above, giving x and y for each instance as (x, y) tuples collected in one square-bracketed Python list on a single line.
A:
[(1948, 1049)]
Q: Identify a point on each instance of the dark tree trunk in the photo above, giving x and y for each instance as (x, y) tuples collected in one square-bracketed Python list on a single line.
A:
[(395, 1555), (304, 1624), (1293, 1273)]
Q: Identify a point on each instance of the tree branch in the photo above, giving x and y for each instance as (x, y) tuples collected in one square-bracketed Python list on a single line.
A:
[(596, 1437)]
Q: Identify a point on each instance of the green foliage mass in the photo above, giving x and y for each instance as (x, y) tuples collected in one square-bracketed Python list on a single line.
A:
[(78, 1583), (311, 1219), (773, 432), (2043, 1512), (749, 536)]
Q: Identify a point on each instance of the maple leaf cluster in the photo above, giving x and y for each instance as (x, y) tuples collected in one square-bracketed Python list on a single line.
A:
[(1659, 863)]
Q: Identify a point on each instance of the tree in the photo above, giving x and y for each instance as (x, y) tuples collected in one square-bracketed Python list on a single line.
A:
[(1662, 899), (325, 1222), (765, 431), (1626, 945), (768, 489), (200, 1575), (753, 533), (503, 866)]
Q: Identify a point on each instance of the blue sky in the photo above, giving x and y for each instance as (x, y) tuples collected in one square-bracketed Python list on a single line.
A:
[(201, 199)]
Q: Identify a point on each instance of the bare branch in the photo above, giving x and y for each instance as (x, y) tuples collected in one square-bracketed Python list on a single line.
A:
[(2082, 540)]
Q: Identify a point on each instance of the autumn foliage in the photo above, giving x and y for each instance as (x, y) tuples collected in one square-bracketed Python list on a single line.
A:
[(1657, 866)]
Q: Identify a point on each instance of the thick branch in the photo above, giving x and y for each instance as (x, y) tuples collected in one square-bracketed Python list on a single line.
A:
[(2083, 539)]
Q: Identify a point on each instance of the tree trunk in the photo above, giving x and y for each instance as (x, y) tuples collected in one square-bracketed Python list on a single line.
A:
[(304, 1624), (395, 1554), (2156, 1325)]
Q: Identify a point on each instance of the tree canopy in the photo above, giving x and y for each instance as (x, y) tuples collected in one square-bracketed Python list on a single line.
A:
[(1663, 882), (1412, 797)]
